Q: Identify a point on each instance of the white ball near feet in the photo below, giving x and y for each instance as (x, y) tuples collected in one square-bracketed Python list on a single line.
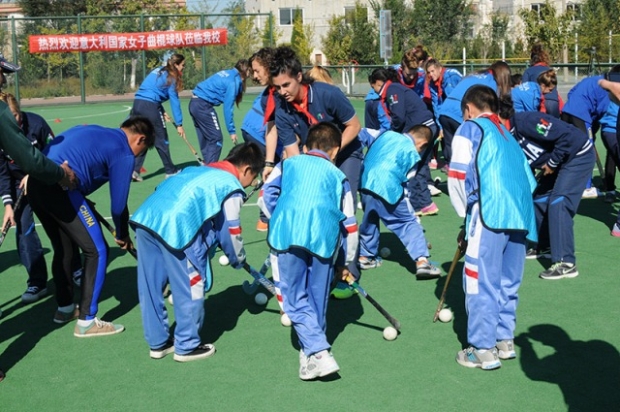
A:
[(445, 315), (390, 333), (285, 320), (260, 299), (224, 260), (385, 252)]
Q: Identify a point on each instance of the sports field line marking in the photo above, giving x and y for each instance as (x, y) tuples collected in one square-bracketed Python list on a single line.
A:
[(126, 109)]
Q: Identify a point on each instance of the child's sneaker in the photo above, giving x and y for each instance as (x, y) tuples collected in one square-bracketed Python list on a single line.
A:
[(424, 270), (65, 317), (370, 262), (320, 364), (33, 293), (590, 193), (434, 190), (615, 232), (429, 210), (506, 349), (342, 291), (162, 351), (560, 270), (201, 352), (135, 176), (359, 206), (97, 328), (303, 361), (538, 254), (262, 226), (475, 358)]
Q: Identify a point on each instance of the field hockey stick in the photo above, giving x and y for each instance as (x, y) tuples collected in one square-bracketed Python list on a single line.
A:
[(254, 190), (351, 281), (194, 152), (108, 226), (455, 260), (7, 226), (250, 288), (267, 284)]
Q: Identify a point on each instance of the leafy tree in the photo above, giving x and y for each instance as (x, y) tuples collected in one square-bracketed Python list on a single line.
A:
[(593, 29), (492, 35), (443, 20), (548, 28), (337, 42), (301, 38), (271, 35)]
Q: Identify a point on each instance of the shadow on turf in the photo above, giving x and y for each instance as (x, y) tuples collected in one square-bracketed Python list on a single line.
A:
[(586, 372), (598, 210), (228, 306), (455, 300)]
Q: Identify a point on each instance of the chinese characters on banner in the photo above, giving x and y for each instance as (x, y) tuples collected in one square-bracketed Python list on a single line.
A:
[(64, 43)]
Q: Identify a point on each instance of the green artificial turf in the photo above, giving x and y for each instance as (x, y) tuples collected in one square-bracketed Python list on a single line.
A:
[(572, 325)]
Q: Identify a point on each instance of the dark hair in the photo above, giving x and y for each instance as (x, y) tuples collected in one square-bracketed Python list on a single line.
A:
[(547, 78), (173, 73), (245, 70), (432, 62), (285, 61), (324, 136), (383, 74), (420, 54), (539, 55), (502, 76), (482, 97), (264, 57), (141, 125), (247, 154), (421, 131), (506, 110), (516, 79)]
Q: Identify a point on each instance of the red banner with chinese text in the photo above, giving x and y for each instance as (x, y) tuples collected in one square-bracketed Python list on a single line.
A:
[(65, 43)]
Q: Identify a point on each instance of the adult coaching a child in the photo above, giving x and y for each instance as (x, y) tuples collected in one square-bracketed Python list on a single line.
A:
[(178, 229), (99, 155)]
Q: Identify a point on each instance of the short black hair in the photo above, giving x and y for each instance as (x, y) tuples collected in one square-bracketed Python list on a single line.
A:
[(383, 74), (324, 136), (247, 154), (141, 125), (506, 109), (422, 131), (482, 97)]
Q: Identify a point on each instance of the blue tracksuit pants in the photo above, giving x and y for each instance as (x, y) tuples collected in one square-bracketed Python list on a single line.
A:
[(154, 112), (208, 131), (556, 201), (492, 275), (157, 265), (304, 282), (399, 219)]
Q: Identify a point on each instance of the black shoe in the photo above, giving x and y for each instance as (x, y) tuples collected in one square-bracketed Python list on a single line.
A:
[(161, 352), (201, 352)]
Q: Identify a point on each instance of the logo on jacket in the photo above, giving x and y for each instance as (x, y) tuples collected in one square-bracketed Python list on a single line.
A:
[(393, 99), (543, 127)]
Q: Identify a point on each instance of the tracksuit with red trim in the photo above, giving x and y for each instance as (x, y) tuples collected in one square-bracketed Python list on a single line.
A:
[(491, 185), (312, 229), (178, 229)]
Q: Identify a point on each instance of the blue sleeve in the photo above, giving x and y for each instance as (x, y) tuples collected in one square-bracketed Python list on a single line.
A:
[(228, 230), (384, 120), (175, 104), (5, 181), (284, 126), (271, 189), (120, 179), (526, 97), (229, 103)]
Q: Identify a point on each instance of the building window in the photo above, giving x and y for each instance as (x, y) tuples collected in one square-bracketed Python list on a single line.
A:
[(288, 15), (575, 9), (349, 14), (537, 7)]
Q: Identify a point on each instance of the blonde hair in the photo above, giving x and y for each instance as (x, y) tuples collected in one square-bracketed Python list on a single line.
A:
[(320, 74), (12, 102)]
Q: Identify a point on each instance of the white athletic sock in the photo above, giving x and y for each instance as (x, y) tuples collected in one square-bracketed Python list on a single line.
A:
[(84, 323), (67, 309)]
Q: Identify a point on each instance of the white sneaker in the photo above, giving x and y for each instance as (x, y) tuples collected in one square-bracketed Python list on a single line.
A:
[(434, 190), (590, 193), (359, 205), (320, 364)]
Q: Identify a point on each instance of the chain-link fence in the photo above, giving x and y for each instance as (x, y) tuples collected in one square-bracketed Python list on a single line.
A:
[(95, 73), (91, 74)]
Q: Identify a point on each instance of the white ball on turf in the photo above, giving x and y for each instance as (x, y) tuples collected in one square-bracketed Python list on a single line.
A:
[(285, 320), (170, 300), (260, 299), (390, 333), (224, 260), (385, 252), (445, 315)]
